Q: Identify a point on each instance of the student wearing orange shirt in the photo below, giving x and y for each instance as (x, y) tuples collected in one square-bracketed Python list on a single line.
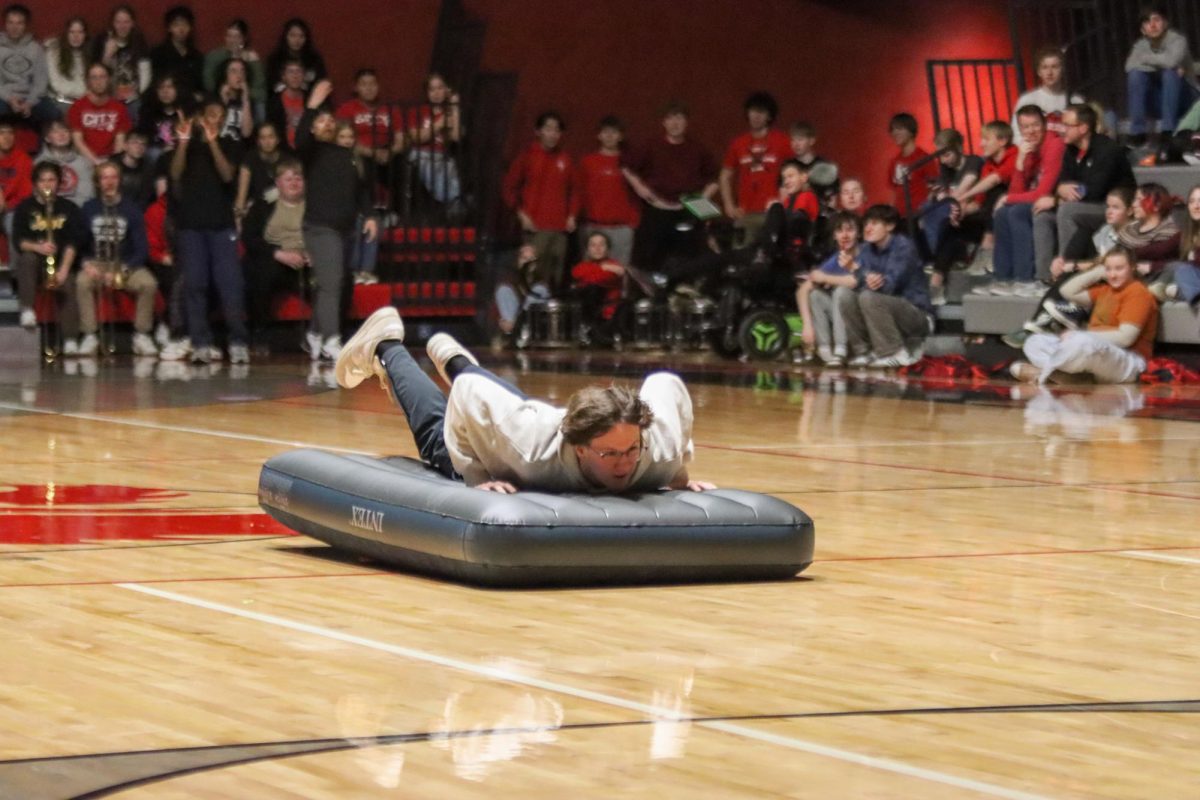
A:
[(1120, 334)]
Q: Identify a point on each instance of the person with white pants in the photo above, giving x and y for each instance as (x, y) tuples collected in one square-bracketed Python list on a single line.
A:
[(1120, 332)]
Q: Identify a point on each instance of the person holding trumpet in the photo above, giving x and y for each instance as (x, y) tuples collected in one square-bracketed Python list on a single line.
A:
[(48, 231), (115, 258)]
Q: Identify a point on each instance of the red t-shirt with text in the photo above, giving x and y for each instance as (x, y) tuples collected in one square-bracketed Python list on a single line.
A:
[(373, 125), (918, 182), (99, 123)]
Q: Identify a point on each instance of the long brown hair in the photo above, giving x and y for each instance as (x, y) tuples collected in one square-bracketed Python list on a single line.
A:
[(66, 57), (1190, 240), (595, 409)]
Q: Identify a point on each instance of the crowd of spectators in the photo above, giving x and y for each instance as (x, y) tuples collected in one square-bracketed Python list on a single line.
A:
[(184, 172), (867, 278), (216, 150)]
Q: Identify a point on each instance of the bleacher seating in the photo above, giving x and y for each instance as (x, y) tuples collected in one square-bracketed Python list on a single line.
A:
[(985, 314)]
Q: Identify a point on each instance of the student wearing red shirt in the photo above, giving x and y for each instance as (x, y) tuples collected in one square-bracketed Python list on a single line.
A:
[(16, 180), (98, 120), (378, 131), (661, 172), (596, 281), (540, 188), (754, 159), (607, 203), (903, 130)]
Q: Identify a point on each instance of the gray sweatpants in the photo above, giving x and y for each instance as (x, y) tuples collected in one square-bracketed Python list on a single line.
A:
[(881, 323), (828, 325), (327, 251)]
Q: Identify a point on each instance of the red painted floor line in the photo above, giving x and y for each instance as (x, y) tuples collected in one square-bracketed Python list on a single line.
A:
[(193, 580)]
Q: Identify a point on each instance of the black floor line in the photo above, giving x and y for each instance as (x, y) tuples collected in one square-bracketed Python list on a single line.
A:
[(135, 768)]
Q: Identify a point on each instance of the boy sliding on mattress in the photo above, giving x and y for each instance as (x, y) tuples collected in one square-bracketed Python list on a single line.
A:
[(490, 435)]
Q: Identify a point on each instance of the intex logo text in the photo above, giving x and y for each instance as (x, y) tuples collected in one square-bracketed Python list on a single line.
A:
[(366, 519)]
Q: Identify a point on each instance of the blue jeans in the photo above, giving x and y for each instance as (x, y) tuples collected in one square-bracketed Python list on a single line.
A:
[(1187, 278), (1013, 255), (211, 257), (1162, 95), (363, 254), (424, 403), (439, 173), (935, 218)]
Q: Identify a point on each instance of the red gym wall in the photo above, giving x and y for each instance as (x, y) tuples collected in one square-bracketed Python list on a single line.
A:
[(845, 65)]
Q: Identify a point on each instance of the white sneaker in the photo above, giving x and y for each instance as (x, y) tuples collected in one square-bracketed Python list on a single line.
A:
[(312, 345), (332, 348), (28, 318), (825, 353), (177, 350), (143, 345), (900, 358), (70, 347), (863, 360), (1028, 289), (365, 278), (983, 289), (89, 345), (356, 362), (207, 355), (1024, 372), (239, 354), (162, 335), (442, 347), (981, 264), (937, 295), (1002, 289)]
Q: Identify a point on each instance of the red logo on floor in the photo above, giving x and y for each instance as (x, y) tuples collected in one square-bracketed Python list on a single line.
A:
[(50, 513)]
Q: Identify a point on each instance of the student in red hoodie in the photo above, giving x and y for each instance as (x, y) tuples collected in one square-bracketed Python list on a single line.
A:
[(16, 179), (607, 202), (903, 130), (596, 281), (540, 188)]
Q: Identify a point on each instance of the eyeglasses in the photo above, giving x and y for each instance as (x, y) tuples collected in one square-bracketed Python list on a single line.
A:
[(634, 452)]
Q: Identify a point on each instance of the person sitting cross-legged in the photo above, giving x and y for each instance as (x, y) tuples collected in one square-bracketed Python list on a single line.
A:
[(487, 433), (888, 318), (1120, 334)]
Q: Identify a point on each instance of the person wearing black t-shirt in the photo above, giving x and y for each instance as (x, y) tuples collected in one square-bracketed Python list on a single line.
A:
[(336, 179), (203, 168)]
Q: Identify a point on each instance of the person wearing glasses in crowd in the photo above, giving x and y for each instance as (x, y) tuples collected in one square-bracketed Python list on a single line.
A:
[(490, 435)]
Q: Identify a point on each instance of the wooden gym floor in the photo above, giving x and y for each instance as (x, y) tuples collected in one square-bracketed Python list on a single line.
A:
[(1005, 603)]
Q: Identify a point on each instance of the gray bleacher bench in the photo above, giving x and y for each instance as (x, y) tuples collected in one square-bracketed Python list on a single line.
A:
[(1178, 322)]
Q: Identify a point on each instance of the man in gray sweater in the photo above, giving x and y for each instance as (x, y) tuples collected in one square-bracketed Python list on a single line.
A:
[(1159, 74), (23, 76)]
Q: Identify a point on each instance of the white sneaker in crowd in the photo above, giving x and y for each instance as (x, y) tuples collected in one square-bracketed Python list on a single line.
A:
[(177, 350), (143, 345), (825, 353), (861, 360), (89, 345), (28, 318), (70, 348), (312, 345), (239, 354), (983, 288), (1028, 289), (162, 335), (442, 347), (900, 358), (332, 348), (1001, 289), (356, 362)]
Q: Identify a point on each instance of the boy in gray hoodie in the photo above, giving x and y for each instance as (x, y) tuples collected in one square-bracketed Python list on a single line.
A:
[(1159, 74), (23, 69)]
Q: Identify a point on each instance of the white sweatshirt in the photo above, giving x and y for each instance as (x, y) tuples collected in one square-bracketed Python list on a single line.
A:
[(492, 434)]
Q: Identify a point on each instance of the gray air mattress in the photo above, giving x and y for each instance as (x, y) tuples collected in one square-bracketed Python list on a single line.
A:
[(399, 511)]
